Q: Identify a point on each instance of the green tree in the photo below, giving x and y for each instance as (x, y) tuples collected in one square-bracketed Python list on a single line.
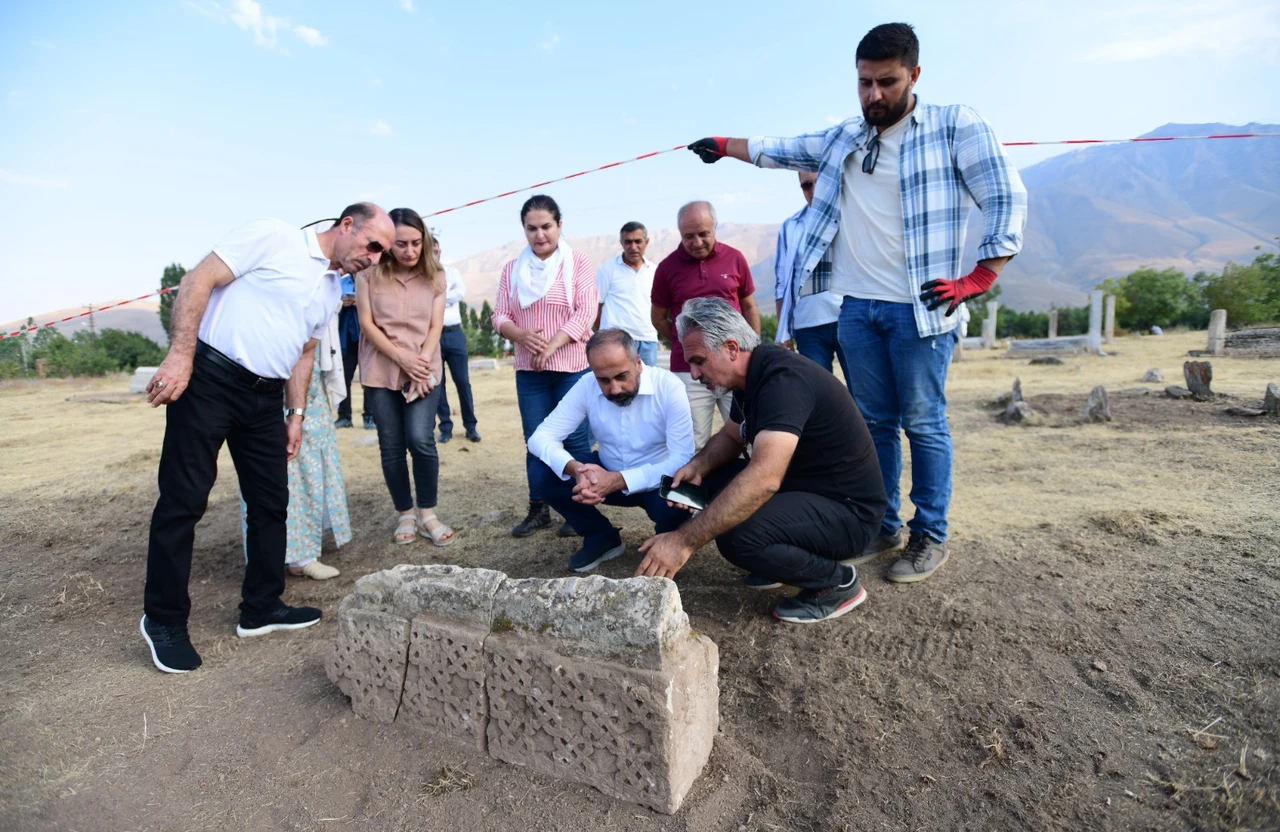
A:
[(172, 277), (1250, 294), (80, 355), (768, 329), (1147, 297), (130, 350)]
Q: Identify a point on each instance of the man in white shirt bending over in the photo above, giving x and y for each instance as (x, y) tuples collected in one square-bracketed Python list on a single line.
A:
[(624, 284), (640, 416)]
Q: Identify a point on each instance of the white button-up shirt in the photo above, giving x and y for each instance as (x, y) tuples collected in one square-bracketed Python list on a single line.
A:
[(453, 293), (644, 440), (625, 295), (284, 294)]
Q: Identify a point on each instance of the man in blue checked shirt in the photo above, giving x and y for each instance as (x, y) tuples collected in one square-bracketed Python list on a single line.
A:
[(808, 311), (892, 198)]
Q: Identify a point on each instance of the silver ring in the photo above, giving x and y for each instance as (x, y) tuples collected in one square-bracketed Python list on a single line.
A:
[(159, 385)]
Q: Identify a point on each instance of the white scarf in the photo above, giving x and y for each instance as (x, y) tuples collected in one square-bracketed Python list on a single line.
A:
[(527, 289), (329, 362)]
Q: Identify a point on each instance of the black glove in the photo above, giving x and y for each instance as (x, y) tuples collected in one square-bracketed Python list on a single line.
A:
[(711, 149)]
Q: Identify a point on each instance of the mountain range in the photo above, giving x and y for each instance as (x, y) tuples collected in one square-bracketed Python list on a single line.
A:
[(1094, 213)]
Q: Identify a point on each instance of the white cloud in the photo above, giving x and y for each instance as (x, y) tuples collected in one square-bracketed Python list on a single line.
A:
[(1226, 28), (249, 16), (33, 181), (380, 128), (551, 41), (310, 36), (407, 5)]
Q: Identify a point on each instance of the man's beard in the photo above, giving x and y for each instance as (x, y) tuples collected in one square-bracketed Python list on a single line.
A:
[(623, 399), (892, 115)]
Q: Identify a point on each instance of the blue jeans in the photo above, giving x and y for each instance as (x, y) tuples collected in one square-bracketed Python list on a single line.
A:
[(453, 349), (408, 427), (597, 532), (648, 352), (537, 394), (898, 380), (819, 344)]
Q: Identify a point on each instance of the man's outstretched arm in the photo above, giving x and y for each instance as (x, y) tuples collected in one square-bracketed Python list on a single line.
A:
[(713, 148)]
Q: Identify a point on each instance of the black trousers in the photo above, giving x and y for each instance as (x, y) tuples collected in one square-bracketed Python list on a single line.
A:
[(453, 349), (796, 537), (350, 360), (215, 408)]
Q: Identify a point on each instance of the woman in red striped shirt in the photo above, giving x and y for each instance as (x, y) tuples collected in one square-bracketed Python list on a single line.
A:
[(546, 304)]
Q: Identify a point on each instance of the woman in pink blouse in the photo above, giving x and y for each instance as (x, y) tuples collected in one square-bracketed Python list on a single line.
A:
[(401, 307), (546, 304)]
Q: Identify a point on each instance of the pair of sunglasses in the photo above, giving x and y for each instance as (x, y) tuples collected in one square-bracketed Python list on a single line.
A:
[(873, 154), (373, 247)]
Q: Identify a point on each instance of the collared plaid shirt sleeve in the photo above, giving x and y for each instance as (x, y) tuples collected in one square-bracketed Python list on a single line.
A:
[(950, 161)]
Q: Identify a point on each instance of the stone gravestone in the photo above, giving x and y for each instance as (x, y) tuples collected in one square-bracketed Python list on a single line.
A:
[(590, 680), (1217, 332), (1095, 322), (1053, 323), (1018, 412), (1097, 408), (1271, 401), (1108, 319), (989, 325), (1198, 375), (141, 378), (1153, 376)]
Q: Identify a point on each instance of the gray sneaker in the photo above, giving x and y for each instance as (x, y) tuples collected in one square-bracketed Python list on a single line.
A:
[(882, 544), (919, 560)]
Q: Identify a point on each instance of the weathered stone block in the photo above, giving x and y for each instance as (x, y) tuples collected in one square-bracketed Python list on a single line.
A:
[(1153, 376), (367, 662), (1271, 400), (1198, 375), (444, 688), (141, 378), (633, 733), (1097, 408)]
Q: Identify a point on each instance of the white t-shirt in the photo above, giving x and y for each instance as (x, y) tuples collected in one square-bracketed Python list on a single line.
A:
[(284, 294), (453, 293), (625, 295), (869, 256)]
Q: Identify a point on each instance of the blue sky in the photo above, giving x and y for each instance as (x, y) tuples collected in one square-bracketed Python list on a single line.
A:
[(136, 134)]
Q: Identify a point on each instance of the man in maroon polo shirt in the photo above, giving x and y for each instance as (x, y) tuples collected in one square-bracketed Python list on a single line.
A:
[(700, 268)]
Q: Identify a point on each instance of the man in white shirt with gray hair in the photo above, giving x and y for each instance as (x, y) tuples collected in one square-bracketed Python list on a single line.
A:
[(640, 416)]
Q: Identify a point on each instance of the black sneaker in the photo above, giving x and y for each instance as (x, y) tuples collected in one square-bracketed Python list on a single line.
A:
[(445, 437), (882, 544), (281, 618), (567, 530), (344, 422), (368, 422), (919, 560), (585, 560), (473, 434), (754, 581), (539, 517), (171, 649), (814, 605)]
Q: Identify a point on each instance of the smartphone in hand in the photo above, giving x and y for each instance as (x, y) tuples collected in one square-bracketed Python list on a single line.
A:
[(686, 494)]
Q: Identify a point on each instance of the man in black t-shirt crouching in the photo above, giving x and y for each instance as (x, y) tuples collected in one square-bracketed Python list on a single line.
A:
[(809, 499)]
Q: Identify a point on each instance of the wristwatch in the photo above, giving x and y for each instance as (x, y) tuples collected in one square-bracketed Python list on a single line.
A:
[(294, 411)]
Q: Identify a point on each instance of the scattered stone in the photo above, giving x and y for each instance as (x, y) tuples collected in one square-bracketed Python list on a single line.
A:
[(1132, 391), (1097, 408), (1173, 391), (1153, 376), (1198, 374), (1237, 410), (1020, 413), (482, 364), (1001, 401), (1262, 342), (1271, 401), (1100, 666), (586, 679), (489, 517), (1016, 395), (1047, 359), (141, 378)]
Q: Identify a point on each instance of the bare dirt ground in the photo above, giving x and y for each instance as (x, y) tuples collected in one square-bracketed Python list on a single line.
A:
[(1101, 652)]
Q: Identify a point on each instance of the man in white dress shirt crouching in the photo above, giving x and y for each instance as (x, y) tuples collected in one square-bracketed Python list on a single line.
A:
[(640, 416)]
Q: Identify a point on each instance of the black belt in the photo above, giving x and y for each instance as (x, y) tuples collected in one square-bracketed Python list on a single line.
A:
[(240, 374), (451, 327)]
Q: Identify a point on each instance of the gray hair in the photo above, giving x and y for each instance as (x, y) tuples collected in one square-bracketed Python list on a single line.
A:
[(697, 204), (718, 322), (613, 336)]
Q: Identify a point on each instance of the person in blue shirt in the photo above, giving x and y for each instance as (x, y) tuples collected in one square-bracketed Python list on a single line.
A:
[(349, 339)]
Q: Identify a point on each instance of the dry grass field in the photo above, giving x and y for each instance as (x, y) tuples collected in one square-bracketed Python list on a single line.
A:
[(1101, 652)]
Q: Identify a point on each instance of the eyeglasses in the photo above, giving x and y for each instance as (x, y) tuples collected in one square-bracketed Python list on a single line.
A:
[(873, 154)]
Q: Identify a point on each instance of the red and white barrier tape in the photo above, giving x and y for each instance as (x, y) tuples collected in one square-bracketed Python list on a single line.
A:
[(536, 185)]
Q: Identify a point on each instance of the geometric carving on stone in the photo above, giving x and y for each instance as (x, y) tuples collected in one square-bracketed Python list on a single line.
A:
[(587, 679)]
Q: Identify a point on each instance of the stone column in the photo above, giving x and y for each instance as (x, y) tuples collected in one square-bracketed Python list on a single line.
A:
[(1108, 319), (1095, 322), (1053, 323), (989, 325), (1217, 331)]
